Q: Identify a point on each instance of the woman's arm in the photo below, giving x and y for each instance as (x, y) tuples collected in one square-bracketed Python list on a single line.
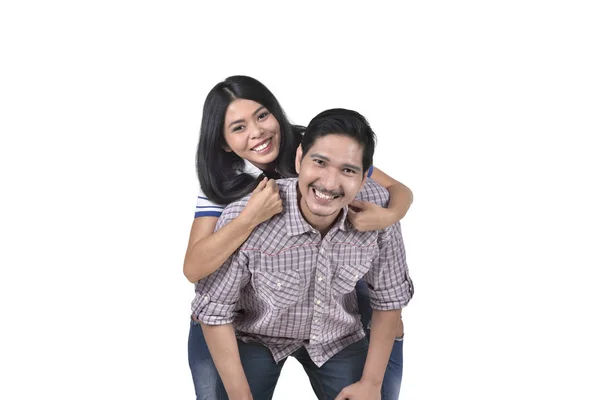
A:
[(401, 197), (370, 216), (208, 250)]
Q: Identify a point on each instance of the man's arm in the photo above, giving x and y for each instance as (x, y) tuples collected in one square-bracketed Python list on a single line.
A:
[(220, 292), (217, 296), (390, 289), (223, 347), (383, 333)]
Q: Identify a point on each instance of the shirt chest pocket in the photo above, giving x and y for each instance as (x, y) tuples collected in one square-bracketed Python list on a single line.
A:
[(345, 278), (279, 289)]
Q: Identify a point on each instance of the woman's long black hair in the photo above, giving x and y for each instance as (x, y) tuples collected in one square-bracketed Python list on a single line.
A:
[(218, 170)]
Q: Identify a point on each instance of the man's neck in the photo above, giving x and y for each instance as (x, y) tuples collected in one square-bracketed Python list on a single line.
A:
[(322, 224), (325, 228)]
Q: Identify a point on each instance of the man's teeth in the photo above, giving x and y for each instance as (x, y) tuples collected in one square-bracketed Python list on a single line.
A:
[(323, 195), (262, 146)]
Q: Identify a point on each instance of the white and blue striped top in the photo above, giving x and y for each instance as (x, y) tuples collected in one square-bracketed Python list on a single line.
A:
[(206, 208)]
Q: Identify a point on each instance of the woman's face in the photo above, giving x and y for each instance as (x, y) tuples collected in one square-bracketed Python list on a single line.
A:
[(252, 132)]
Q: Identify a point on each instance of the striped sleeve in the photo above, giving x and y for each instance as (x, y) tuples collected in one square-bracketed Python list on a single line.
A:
[(370, 172), (206, 208)]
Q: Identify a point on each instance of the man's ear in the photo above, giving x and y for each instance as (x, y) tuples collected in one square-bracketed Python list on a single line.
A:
[(298, 158), (364, 180)]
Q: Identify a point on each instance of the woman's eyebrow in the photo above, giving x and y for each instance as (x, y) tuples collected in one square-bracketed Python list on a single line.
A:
[(237, 121), (258, 109)]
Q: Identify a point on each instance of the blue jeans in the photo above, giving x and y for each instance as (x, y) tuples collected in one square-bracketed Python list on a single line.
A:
[(262, 371), (327, 381), (208, 384)]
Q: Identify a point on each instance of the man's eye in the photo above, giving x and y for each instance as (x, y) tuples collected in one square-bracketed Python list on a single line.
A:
[(319, 162), (349, 171)]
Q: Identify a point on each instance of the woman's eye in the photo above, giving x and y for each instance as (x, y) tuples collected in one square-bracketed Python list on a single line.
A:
[(263, 115), (237, 128)]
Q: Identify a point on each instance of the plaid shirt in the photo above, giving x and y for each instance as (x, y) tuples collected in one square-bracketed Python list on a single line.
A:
[(287, 287)]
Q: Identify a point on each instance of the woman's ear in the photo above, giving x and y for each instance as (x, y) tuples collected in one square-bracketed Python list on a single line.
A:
[(227, 148)]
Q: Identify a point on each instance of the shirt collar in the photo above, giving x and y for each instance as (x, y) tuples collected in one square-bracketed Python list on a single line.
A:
[(251, 169), (295, 223)]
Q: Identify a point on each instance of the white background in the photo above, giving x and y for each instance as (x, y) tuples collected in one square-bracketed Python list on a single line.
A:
[(487, 110)]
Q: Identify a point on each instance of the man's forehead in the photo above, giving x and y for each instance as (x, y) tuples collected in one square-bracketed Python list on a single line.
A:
[(337, 148), (337, 144)]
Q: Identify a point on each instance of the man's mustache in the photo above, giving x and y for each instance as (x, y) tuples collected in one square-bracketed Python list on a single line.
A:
[(326, 191)]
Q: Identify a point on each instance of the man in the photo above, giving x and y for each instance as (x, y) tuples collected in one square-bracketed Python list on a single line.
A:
[(290, 288)]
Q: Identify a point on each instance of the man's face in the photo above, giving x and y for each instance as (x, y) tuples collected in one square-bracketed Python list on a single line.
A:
[(330, 175)]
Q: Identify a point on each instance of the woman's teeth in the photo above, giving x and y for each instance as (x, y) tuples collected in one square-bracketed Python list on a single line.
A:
[(262, 146)]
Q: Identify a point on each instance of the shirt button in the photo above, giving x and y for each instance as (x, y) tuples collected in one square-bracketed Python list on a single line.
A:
[(314, 336), (278, 284), (355, 276), (318, 302), (320, 278), (317, 320), (205, 297)]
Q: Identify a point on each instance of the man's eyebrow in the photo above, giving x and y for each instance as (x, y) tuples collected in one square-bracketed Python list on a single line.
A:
[(237, 121), (352, 166), (325, 158), (321, 156)]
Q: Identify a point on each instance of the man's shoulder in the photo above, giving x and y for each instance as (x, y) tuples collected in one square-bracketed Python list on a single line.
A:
[(234, 209), (373, 192), (286, 183)]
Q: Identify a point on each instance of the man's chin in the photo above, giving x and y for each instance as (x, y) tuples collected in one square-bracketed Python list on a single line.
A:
[(322, 211)]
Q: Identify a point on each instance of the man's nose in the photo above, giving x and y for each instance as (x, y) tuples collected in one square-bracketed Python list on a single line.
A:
[(330, 180)]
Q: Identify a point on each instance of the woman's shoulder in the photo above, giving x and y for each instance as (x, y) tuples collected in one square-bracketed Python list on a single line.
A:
[(207, 208)]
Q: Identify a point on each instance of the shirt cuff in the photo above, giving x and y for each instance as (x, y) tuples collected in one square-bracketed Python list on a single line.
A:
[(391, 299), (212, 313)]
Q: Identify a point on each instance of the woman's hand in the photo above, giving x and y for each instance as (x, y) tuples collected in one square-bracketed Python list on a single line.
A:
[(369, 217), (263, 204)]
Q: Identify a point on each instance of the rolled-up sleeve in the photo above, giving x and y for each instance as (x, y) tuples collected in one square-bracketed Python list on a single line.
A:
[(390, 286), (218, 293)]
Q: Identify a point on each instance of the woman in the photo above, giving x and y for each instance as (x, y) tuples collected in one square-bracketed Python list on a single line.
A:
[(246, 141)]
